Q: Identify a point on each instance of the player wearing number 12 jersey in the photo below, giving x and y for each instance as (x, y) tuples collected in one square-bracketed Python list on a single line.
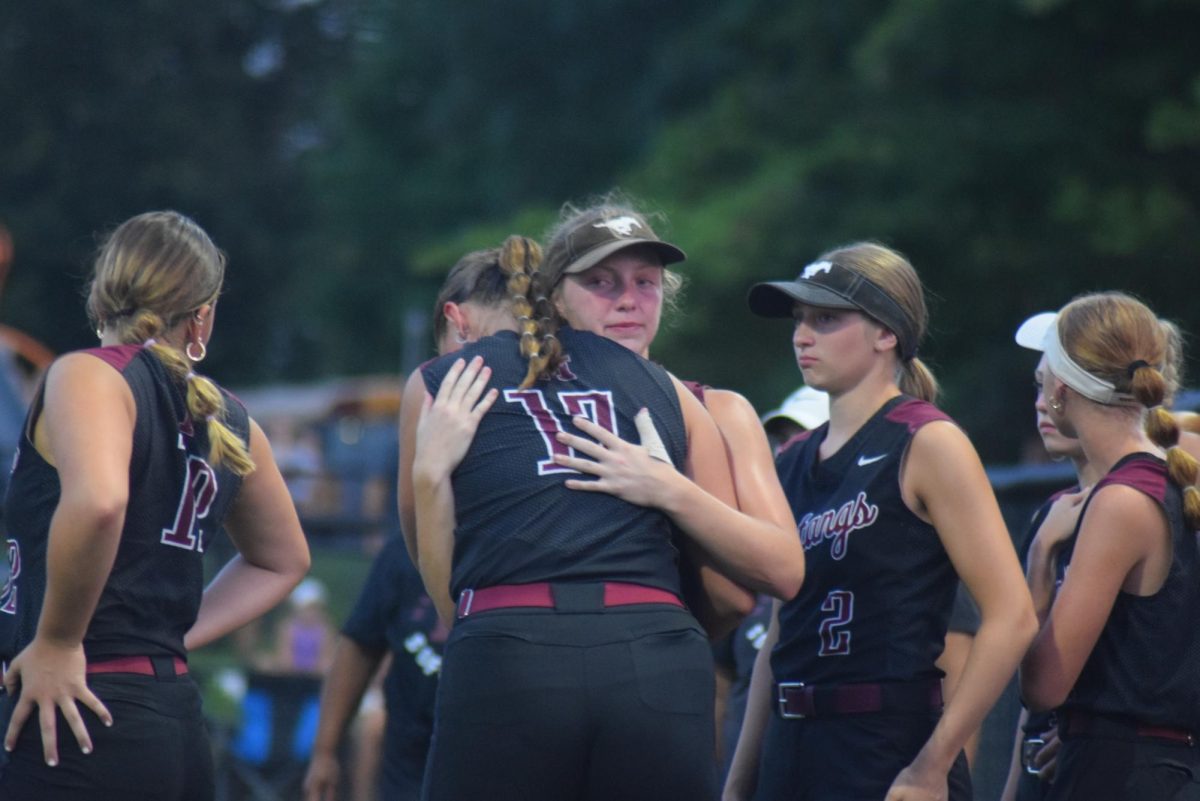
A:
[(129, 463)]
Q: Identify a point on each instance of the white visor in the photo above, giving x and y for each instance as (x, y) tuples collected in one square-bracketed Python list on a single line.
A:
[(1078, 379), (1032, 333)]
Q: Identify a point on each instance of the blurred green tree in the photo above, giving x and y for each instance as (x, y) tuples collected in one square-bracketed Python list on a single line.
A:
[(199, 107), (345, 152)]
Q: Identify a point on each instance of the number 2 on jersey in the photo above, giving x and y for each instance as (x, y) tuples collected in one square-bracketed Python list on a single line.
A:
[(835, 636), (595, 405)]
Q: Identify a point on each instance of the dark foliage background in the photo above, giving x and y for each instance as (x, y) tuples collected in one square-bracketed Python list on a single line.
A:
[(345, 152)]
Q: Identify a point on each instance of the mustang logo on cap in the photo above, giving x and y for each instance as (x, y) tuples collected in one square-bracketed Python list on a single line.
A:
[(621, 226), (816, 267)]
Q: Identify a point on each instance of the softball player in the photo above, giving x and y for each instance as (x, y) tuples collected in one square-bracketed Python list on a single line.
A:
[(611, 250), (891, 502), (1117, 652), (573, 669), (129, 463), (1037, 740)]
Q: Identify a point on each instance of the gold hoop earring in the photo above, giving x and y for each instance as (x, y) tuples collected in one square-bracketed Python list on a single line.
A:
[(100, 332), (1055, 405), (203, 351)]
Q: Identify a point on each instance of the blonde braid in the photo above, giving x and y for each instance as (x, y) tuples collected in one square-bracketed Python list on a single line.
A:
[(206, 404), (537, 319)]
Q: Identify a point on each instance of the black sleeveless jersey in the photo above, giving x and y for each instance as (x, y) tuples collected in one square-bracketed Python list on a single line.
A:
[(879, 586), (176, 503), (517, 522), (1146, 664)]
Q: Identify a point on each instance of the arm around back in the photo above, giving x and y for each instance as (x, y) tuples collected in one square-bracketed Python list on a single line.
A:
[(755, 544), (755, 481), (701, 500)]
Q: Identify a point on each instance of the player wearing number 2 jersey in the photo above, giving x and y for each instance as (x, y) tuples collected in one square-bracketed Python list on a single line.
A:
[(891, 502), (879, 588), (573, 669), (129, 464)]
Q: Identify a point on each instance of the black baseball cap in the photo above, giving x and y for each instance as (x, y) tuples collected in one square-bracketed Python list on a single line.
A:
[(829, 285), (596, 235)]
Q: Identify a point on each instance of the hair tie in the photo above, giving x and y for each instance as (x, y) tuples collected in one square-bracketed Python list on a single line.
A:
[(190, 375), (151, 342), (1136, 365), (210, 418)]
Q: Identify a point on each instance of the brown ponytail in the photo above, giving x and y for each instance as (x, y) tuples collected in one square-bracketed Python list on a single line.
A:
[(537, 319), (894, 275), (918, 380)]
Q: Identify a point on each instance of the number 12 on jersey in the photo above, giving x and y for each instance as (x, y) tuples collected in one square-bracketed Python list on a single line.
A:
[(195, 500), (595, 405)]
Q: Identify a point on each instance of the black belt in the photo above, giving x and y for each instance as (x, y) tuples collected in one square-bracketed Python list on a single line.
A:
[(799, 700)]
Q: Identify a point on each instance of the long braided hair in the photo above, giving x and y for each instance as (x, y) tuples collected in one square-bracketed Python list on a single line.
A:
[(537, 318)]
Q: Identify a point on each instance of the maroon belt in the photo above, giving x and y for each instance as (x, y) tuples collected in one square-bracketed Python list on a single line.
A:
[(141, 665), (799, 700), (1076, 723), (541, 595)]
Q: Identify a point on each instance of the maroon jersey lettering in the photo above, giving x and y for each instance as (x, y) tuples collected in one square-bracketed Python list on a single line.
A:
[(595, 405), (836, 525), (195, 501)]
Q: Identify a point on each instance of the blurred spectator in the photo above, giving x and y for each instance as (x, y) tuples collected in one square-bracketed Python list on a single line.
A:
[(304, 638), (804, 409), (298, 453)]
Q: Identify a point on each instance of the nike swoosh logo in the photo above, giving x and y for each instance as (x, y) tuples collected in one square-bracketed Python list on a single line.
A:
[(863, 461)]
